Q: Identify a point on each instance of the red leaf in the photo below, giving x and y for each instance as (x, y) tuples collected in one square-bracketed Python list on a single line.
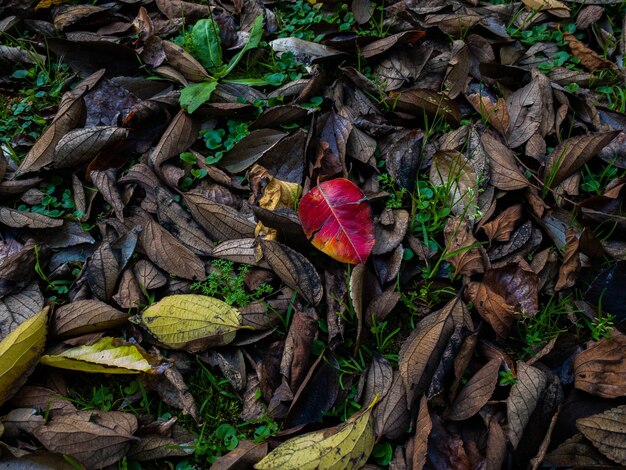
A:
[(338, 221)]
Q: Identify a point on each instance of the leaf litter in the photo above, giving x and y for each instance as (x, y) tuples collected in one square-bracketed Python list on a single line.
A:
[(312, 234)]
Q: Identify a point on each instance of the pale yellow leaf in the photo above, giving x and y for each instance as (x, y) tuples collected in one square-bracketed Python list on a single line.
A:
[(192, 322), (107, 355), (19, 353), (343, 447), (553, 6)]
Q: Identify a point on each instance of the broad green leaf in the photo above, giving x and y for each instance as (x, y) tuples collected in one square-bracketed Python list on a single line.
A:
[(107, 355), (191, 322), (195, 95), (206, 42), (19, 353), (343, 447), (255, 38)]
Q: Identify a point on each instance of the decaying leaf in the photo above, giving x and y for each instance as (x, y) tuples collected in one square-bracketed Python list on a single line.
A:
[(606, 432), (106, 356), (463, 250), (475, 394), (85, 316), (501, 228), (601, 368), (523, 399), (191, 322), (505, 173), (452, 170), (347, 446), (553, 6), (19, 353)]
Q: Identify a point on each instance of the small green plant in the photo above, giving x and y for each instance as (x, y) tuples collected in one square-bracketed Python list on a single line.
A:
[(382, 453), (59, 287), (396, 193), (506, 377), (226, 283), (595, 182), (430, 209), (385, 340), (56, 201), (536, 330), (615, 96)]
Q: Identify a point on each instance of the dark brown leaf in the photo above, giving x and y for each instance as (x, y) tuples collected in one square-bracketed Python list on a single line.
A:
[(19, 307), (221, 222), (382, 45), (606, 432), (423, 427), (463, 250), (245, 455), (148, 275), (418, 101), (80, 146), (505, 174), (294, 270), (106, 182), (568, 272), (178, 137), (173, 390), (476, 393), (94, 438), (184, 62), (102, 272), (18, 219), (523, 399), (378, 379), (250, 149), (589, 59), (601, 368), (577, 451), (86, 316), (525, 112), (392, 415)]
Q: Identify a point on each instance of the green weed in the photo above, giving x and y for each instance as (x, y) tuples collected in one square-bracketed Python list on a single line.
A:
[(229, 284), (535, 331), (56, 200), (595, 182)]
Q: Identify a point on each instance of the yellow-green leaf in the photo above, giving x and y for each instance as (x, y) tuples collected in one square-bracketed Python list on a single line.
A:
[(191, 322), (19, 353), (107, 355), (347, 446)]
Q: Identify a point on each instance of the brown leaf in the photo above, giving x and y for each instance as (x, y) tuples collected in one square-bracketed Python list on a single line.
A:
[(178, 137), (525, 112), (392, 416), (106, 182), (129, 294), (357, 281), (577, 451), (463, 250), (80, 146), (294, 270), (71, 114), (250, 149), (102, 272), (555, 7), (42, 399), (476, 392), (523, 399), (418, 101), (18, 219), (505, 174), (95, 438), (588, 57), (606, 432), (148, 275), (382, 45), (571, 154), (492, 307), (458, 69), (168, 253), (501, 228), (378, 380), (451, 169), (19, 307), (245, 455), (221, 222), (421, 352), (154, 446), (173, 390), (86, 316), (298, 344), (601, 368), (491, 108), (423, 427), (184, 62), (568, 272), (389, 236)]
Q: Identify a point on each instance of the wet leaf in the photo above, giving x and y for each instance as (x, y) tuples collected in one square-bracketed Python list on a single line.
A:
[(205, 35), (523, 399), (294, 270), (19, 353), (106, 356), (476, 393), (85, 316), (347, 446), (601, 368), (338, 221), (192, 322), (95, 438)]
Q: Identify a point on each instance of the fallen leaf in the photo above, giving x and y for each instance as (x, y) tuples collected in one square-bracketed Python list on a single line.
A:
[(606, 432), (106, 356), (338, 221), (423, 428), (523, 399), (82, 145), (346, 446), (250, 149), (501, 228), (391, 415), (19, 353), (553, 6), (601, 368), (221, 222), (568, 272), (476, 393), (18, 219), (246, 454), (451, 170), (525, 112), (576, 451), (589, 59), (505, 174), (191, 322), (95, 438), (463, 250), (85, 316), (15, 309), (378, 379)]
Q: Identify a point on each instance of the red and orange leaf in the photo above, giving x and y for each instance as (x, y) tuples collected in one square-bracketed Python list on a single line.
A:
[(338, 221)]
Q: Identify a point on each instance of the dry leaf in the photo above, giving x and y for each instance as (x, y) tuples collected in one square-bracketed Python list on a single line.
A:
[(601, 368), (588, 57), (606, 432), (553, 6), (576, 451), (221, 222), (476, 393), (505, 174), (523, 399), (86, 316), (568, 272), (501, 228), (525, 111), (463, 250)]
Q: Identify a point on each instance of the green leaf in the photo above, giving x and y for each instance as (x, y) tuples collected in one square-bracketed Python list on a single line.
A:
[(206, 42), (255, 38), (195, 95)]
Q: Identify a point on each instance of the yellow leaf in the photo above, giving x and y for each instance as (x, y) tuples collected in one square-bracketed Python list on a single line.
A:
[(19, 353), (49, 3), (553, 6), (347, 446), (107, 355), (271, 194), (191, 322)]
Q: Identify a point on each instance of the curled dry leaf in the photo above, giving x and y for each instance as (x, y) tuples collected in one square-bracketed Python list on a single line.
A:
[(338, 221), (191, 322), (463, 250), (552, 6), (251, 148), (568, 272), (606, 432), (476, 393), (423, 428), (294, 270), (19, 353), (86, 316), (346, 446), (523, 399), (601, 368), (17, 219), (95, 438), (17, 308), (82, 145), (501, 228), (589, 59)]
